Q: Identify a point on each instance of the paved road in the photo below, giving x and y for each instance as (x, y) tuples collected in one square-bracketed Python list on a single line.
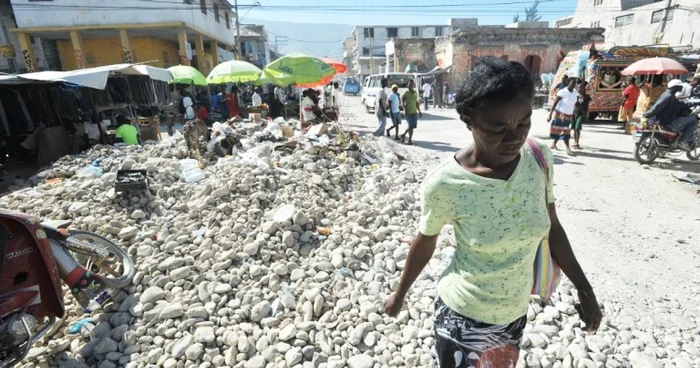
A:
[(634, 229)]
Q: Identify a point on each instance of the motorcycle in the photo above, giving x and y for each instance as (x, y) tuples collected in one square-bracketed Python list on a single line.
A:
[(35, 257), (655, 141)]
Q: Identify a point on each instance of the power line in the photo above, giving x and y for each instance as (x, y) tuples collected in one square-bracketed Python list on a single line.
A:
[(298, 40)]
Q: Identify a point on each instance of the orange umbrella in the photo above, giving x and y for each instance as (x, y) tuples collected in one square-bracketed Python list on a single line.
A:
[(322, 82), (655, 66), (335, 64)]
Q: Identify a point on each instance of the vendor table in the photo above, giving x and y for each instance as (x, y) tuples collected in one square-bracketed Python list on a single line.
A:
[(149, 127)]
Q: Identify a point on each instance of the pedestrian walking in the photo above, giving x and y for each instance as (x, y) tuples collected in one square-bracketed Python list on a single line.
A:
[(580, 112), (499, 199), (411, 106), (562, 113), (427, 88), (380, 106), (437, 95), (446, 94), (395, 108)]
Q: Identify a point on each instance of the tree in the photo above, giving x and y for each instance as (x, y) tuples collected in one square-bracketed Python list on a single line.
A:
[(531, 12), (516, 18)]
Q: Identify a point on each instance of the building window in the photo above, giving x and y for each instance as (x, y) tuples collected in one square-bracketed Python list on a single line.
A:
[(365, 51), (415, 32), (658, 15), (595, 24), (369, 32), (216, 12), (203, 6), (188, 1), (597, 2), (624, 20), (566, 22), (439, 31), (392, 32), (228, 20)]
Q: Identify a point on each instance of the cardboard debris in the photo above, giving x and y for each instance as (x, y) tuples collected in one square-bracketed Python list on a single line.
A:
[(318, 130), (287, 131)]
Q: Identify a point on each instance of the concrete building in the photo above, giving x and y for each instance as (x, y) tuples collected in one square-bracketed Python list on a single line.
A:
[(11, 57), (410, 55), (348, 54), (254, 46), (539, 49), (161, 33), (369, 49), (640, 22)]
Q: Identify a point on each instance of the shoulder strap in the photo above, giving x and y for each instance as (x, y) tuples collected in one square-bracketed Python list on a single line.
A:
[(539, 156)]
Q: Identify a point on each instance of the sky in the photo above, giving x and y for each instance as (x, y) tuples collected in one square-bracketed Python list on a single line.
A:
[(398, 12)]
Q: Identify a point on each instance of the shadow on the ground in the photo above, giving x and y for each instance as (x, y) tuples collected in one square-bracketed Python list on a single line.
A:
[(678, 165), (430, 117), (601, 155), (436, 146), (559, 160)]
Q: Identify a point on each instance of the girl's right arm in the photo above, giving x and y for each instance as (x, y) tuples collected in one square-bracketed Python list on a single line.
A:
[(422, 249)]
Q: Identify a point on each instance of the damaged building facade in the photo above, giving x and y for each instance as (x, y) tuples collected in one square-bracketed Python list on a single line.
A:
[(533, 44)]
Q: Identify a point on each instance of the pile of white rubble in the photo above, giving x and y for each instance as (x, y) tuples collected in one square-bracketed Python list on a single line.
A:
[(285, 264)]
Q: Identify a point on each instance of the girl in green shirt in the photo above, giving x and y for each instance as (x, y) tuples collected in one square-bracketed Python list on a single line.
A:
[(501, 205)]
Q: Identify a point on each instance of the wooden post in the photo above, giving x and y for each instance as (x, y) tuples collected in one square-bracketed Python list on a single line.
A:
[(199, 45), (27, 52), (182, 39), (126, 46), (78, 49)]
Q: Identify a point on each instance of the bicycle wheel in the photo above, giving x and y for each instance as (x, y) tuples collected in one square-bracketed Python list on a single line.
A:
[(116, 269)]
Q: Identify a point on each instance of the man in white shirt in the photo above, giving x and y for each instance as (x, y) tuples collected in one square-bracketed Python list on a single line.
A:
[(279, 94), (427, 88), (257, 100), (562, 114), (189, 107), (335, 96)]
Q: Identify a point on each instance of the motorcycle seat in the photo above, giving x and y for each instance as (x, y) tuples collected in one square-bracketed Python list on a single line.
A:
[(53, 226)]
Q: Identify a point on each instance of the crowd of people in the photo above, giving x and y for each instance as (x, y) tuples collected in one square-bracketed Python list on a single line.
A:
[(570, 109)]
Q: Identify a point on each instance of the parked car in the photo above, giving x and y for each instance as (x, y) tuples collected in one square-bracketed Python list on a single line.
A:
[(373, 85), (351, 86)]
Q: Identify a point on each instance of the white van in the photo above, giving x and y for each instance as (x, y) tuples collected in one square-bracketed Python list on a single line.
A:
[(372, 85)]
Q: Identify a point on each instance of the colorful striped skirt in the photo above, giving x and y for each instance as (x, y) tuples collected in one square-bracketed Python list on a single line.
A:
[(560, 125)]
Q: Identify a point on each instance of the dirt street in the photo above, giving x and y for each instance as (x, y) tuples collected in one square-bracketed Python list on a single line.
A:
[(634, 229)]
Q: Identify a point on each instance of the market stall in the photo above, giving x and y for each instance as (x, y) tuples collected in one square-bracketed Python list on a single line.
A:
[(43, 115)]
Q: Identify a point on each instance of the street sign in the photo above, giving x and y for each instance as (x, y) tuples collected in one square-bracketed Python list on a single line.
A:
[(188, 50)]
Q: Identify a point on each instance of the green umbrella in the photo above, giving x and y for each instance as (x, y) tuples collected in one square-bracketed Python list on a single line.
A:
[(234, 71), (183, 74), (298, 69)]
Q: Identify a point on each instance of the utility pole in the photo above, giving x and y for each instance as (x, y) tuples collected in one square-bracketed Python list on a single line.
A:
[(238, 31), (663, 24), (371, 57)]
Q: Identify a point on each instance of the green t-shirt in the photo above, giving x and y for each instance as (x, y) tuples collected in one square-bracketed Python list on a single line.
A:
[(411, 98), (498, 226), (128, 133)]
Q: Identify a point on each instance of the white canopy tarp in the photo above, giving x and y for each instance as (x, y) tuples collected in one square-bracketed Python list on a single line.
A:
[(97, 77)]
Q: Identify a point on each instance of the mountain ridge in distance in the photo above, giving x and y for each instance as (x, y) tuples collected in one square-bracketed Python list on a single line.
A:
[(325, 39)]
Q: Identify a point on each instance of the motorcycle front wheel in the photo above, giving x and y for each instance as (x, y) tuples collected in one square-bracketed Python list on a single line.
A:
[(646, 151), (116, 269), (694, 155)]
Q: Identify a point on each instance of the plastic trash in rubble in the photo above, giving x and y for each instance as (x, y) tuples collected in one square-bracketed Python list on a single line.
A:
[(75, 327), (190, 171), (89, 171)]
